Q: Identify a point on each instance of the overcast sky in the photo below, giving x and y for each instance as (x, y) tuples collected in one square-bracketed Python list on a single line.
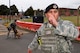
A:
[(41, 4)]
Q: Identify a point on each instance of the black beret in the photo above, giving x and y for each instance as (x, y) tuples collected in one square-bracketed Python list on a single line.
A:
[(52, 6)]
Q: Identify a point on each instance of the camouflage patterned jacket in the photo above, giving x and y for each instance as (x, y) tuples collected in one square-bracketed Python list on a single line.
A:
[(61, 36)]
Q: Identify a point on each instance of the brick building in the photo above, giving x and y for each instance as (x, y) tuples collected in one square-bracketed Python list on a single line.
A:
[(68, 12)]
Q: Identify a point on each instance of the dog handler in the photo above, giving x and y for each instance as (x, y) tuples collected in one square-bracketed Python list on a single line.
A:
[(12, 26)]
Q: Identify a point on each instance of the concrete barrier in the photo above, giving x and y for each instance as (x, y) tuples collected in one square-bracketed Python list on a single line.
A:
[(29, 25), (79, 35)]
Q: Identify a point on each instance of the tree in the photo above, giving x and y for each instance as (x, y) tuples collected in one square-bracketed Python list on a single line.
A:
[(29, 12), (13, 10), (4, 10), (39, 12)]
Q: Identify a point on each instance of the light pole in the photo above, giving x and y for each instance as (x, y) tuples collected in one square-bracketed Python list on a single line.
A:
[(9, 11), (9, 7), (78, 16)]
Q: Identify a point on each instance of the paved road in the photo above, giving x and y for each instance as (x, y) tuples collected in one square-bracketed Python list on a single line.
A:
[(12, 45)]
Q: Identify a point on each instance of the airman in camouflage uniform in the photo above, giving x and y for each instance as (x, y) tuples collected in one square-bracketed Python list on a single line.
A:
[(54, 37), (12, 26)]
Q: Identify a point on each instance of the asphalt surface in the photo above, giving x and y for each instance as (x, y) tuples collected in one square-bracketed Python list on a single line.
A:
[(12, 45)]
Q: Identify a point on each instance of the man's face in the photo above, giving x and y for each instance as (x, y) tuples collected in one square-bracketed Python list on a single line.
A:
[(52, 14)]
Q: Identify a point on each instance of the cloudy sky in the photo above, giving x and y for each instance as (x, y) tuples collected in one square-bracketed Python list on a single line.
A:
[(41, 4)]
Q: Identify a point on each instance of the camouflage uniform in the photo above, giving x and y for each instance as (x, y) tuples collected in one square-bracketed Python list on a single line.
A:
[(52, 39), (12, 26)]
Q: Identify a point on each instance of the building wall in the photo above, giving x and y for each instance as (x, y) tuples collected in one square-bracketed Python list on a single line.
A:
[(68, 12)]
